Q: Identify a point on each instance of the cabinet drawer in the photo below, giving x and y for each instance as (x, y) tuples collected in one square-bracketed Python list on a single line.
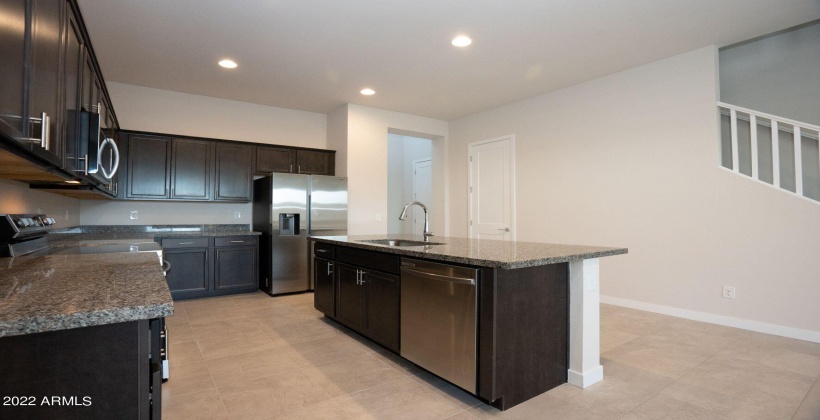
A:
[(380, 261), (184, 243), (323, 250), (237, 241)]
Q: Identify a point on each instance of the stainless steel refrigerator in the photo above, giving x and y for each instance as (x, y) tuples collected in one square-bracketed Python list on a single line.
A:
[(287, 209)]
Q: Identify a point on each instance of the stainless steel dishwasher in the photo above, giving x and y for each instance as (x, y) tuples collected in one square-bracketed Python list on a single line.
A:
[(438, 319)]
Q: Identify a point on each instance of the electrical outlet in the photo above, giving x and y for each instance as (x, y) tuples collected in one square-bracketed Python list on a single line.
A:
[(728, 292), (237, 215), (134, 215), (378, 217)]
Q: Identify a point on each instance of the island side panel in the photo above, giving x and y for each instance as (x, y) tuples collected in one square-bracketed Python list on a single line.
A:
[(486, 334), (94, 372), (531, 328), (585, 324)]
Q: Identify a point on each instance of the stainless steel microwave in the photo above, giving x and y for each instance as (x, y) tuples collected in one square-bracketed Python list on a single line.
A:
[(102, 158)]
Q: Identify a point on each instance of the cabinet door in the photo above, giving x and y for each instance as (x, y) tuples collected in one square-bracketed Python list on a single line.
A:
[(323, 291), (382, 317), (189, 269), (12, 67), (315, 163), (274, 159), (44, 79), (234, 177), (235, 268), (148, 166), (350, 298), (73, 97), (191, 172)]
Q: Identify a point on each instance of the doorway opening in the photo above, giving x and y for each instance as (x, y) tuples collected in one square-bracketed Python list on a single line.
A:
[(409, 178)]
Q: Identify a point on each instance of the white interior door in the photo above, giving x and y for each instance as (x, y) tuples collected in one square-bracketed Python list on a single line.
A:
[(422, 191), (492, 189)]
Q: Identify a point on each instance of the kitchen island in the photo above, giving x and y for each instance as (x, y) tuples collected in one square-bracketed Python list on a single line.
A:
[(79, 335), (537, 305)]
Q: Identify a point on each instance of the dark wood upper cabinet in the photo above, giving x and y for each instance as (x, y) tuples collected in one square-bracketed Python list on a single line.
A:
[(148, 167), (73, 156), (191, 169), (312, 162), (275, 159), (45, 60), (234, 172), (12, 67)]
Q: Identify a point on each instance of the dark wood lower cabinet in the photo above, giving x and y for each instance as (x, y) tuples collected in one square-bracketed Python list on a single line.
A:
[(190, 271), (211, 266), (350, 299), (235, 268), (98, 372), (323, 287)]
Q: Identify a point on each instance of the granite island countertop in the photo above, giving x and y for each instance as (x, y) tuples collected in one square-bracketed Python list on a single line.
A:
[(58, 292), (479, 252)]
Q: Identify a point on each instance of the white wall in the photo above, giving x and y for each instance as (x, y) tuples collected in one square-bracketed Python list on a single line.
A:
[(16, 198), (402, 151), (365, 151), (146, 109), (778, 75), (631, 160)]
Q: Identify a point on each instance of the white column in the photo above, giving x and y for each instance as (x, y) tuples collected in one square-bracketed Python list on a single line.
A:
[(584, 324)]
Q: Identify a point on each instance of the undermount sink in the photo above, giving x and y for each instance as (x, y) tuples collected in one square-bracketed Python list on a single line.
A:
[(400, 242)]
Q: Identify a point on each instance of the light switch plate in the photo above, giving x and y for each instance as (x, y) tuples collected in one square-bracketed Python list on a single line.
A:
[(134, 215)]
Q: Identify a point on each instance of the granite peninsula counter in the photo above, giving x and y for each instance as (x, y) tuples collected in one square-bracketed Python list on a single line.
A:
[(537, 304), (58, 292)]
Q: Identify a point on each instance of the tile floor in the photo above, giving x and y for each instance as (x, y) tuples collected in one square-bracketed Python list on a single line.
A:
[(257, 357)]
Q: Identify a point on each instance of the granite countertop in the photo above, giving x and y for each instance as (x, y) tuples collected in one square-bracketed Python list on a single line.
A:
[(57, 292), (59, 237), (483, 253)]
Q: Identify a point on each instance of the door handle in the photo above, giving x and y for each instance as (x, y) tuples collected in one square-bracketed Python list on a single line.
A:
[(506, 229)]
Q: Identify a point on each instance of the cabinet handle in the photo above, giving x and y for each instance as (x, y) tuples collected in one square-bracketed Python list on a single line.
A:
[(185, 243), (329, 268), (116, 189), (321, 250), (291, 168), (237, 242), (84, 159), (298, 169), (43, 130), (358, 272)]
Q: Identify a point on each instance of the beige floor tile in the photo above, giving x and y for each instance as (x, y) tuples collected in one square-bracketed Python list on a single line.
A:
[(810, 406), (204, 316), (662, 407), (354, 374), (612, 338), (197, 305), (253, 365), (270, 396), (610, 397), (282, 318), (179, 316), (184, 352), (457, 396), (403, 399), (180, 332), (213, 348), (542, 407), (187, 378), (636, 375), (325, 350), (204, 405), (307, 330), (325, 410), (659, 354), (224, 329), (464, 415)]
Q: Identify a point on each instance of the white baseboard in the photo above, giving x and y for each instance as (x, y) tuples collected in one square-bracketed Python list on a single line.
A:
[(757, 326), (583, 380)]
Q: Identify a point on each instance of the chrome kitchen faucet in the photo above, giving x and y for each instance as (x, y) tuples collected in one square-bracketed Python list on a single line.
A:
[(427, 233)]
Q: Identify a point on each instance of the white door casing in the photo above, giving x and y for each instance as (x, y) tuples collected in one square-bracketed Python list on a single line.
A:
[(422, 191), (491, 188)]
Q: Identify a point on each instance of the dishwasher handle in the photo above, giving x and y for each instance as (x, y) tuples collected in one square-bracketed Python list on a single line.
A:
[(439, 277)]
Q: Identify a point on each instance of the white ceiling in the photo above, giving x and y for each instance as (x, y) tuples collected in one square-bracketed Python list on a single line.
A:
[(315, 55)]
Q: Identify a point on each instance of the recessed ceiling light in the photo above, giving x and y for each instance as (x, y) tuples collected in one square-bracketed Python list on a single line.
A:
[(228, 64), (367, 91), (461, 41)]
